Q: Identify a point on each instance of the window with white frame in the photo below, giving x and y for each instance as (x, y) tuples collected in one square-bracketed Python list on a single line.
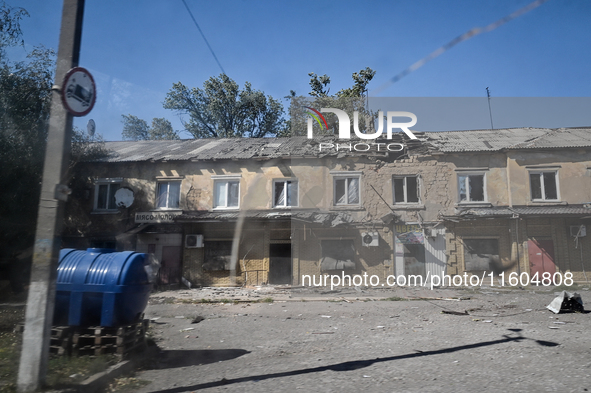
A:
[(226, 193), (472, 187), (285, 193), (346, 190), (168, 195), (543, 185), (104, 194), (406, 189)]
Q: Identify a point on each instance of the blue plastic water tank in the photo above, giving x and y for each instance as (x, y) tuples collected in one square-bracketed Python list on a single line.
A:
[(101, 287)]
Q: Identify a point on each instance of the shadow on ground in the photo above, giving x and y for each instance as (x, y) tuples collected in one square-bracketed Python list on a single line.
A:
[(185, 358), (355, 364)]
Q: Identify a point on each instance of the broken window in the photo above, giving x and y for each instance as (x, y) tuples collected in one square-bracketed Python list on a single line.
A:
[(227, 193), (406, 189), (337, 255), (285, 193), (481, 254), (217, 255), (543, 186), (104, 194), (346, 190), (471, 188), (168, 195)]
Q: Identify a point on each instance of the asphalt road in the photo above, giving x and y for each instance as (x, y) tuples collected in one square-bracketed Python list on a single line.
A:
[(351, 341)]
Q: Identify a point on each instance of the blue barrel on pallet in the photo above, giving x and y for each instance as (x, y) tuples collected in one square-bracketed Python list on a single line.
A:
[(101, 287)]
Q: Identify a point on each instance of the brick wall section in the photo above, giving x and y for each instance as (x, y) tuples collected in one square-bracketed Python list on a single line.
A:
[(369, 260), (494, 229), (567, 253)]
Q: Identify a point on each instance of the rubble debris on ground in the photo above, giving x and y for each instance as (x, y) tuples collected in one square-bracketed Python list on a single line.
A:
[(198, 319), (566, 302)]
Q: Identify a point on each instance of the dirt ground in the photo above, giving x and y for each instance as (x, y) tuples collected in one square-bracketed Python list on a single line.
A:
[(354, 340)]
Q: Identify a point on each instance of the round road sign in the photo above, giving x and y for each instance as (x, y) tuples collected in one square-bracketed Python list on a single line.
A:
[(78, 91)]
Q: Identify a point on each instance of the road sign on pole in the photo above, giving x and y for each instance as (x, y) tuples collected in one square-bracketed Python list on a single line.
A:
[(78, 91)]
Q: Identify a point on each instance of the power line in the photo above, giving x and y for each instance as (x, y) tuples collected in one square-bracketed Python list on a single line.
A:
[(473, 32), (203, 35)]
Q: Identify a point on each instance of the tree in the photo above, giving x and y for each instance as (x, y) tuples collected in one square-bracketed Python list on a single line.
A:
[(25, 95), (319, 85), (350, 100), (137, 129), (25, 89), (222, 110), (361, 80)]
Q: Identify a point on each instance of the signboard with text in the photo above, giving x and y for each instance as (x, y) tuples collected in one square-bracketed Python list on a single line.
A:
[(156, 217)]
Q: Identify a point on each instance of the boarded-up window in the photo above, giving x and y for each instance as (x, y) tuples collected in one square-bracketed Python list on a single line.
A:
[(337, 255), (217, 255), (481, 254)]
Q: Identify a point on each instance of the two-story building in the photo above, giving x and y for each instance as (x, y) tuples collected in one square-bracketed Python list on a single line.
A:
[(523, 202), (271, 210)]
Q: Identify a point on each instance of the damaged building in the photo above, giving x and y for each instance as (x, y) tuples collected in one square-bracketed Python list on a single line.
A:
[(220, 212)]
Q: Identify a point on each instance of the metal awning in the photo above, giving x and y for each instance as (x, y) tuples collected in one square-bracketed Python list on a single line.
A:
[(470, 213)]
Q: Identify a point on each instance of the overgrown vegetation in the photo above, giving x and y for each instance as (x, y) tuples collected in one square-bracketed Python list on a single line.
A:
[(25, 98), (66, 371)]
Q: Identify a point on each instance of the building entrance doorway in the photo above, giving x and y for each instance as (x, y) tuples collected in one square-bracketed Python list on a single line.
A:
[(280, 263), (541, 256)]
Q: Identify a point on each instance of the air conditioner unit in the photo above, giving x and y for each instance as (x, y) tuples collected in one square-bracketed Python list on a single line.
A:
[(578, 231), (194, 241), (370, 239)]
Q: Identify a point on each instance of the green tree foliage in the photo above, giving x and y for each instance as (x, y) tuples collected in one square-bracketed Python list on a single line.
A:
[(10, 28), (137, 129), (350, 100), (25, 89), (361, 79), (25, 96), (222, 110), (162, 129)]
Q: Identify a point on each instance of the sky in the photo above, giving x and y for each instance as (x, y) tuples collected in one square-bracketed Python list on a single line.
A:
[(536, 66)]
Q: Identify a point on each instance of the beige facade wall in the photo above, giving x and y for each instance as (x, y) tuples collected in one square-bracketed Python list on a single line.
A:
[(574, 174), (507, 184)]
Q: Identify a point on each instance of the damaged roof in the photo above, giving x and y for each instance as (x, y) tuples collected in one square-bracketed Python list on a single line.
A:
[(301, 147), (509, 139), (234, 148)]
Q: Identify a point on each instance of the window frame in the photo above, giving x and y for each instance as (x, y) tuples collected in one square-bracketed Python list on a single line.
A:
[(211, 266), (158, 184), (108, 182), (405, 190), (294, 183), (225, 179), (465, 242), (468, 174), (346, 176), (541, 173)]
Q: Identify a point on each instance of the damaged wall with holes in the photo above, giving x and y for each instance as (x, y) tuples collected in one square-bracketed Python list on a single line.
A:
[(533, 218), (451, 203)]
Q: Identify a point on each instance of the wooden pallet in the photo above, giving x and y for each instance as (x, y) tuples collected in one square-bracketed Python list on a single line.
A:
[(101, 340), (98, 340), (60, 342)]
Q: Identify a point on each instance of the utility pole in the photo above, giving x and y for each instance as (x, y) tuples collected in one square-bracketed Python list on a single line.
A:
[(489, 110), (41, 298)]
